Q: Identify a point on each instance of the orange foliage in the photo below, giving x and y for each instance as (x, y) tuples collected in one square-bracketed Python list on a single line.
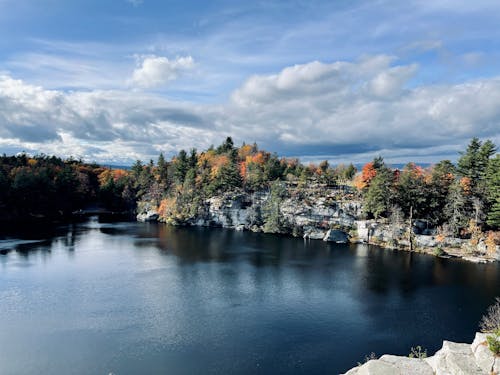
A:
[(119, 174), (259, 158), (367, 174), (167, 206), (217, 163), (32, 162), (312, 168), (206, 158), (245, 151), (243, 170), (104, 177), (466, 185), (492, 240)]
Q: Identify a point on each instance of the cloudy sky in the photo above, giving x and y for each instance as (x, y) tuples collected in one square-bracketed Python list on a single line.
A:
[(344, 80)]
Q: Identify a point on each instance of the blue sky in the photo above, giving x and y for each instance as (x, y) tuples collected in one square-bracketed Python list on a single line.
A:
[(117, 80)]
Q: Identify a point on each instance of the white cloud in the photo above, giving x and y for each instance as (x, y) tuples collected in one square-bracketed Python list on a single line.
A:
[(154, 71), (341, 109)]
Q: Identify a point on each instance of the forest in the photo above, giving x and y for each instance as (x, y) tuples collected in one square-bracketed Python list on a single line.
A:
[(456, 198)]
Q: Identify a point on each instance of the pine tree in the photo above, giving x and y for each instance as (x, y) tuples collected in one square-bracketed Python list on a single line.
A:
[(378, 195), (457, 209), (273, 218), (162, 168), (493, 189)]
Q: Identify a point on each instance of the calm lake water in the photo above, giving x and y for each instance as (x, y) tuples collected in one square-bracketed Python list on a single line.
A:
[(134, 298)]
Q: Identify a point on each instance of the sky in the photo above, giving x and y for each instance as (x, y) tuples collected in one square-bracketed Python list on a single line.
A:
[(114, 81)]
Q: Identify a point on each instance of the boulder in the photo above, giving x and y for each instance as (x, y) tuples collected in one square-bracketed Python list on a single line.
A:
[(314, 234), (150, 215), (454, 359), (337, 236), (408, 366)]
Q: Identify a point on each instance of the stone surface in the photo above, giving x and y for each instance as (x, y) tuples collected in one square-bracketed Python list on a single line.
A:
[(378, 367), (150, 215), (335, 235), (314, 234), (408, 366), (452, 359)]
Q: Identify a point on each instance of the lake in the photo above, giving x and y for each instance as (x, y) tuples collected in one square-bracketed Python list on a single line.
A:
[(139, 298)]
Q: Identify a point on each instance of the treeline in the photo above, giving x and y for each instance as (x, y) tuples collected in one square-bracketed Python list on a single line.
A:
[(50, 187), (459, 199), (456, 198), (179, 187)]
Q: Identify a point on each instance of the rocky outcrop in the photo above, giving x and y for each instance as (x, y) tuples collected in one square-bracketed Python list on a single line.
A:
[(318, 213), (314, 217), (150, 215), (147, 212), (452, 359)]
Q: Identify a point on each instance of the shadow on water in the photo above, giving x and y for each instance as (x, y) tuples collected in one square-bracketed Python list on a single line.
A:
[(238, 299)]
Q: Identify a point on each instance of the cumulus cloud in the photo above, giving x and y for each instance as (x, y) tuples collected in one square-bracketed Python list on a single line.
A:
[(339, 110), (155, 71)]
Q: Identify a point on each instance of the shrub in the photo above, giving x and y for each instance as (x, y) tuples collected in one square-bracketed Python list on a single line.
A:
[(494, 342), (438, 251), (368, 357), (418, 352), (491, 321)]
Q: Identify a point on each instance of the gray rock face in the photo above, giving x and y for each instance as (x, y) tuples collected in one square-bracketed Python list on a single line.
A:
[(337, 236), (314, 234), (452, 359), (391, 364), (150, 215)]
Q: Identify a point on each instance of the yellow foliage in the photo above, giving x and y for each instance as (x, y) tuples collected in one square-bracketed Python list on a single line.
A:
[(167, 207), (105, 176), (245, 151), (466, 185), (492, 240), (217, 163)]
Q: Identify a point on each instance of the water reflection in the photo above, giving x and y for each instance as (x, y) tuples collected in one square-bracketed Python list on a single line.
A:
[(133, 297)]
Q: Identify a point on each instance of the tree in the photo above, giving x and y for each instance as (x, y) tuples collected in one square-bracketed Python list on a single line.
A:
[(181, 166), (226, 146), (493, 191), (470, 164), (457, 209), (273, 218), (162, 168), (442, 176), (378, 195), (411, 190)]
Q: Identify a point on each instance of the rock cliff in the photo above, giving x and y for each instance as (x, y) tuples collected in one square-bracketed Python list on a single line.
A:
[(452, 359), (320, 213)]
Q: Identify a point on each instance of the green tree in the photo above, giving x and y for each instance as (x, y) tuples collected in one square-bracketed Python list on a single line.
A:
[(181, 166), (272, 215), (162, 168), (493, 190), (379, 194), (458, 209), (442, 176)]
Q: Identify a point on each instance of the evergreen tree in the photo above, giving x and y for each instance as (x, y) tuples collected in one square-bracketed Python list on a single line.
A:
[(493, 189), (442, 176), (162, 168), (379, 194), (273, 218), (457, 209), (181, 166), (470, 163), (411, 191)]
